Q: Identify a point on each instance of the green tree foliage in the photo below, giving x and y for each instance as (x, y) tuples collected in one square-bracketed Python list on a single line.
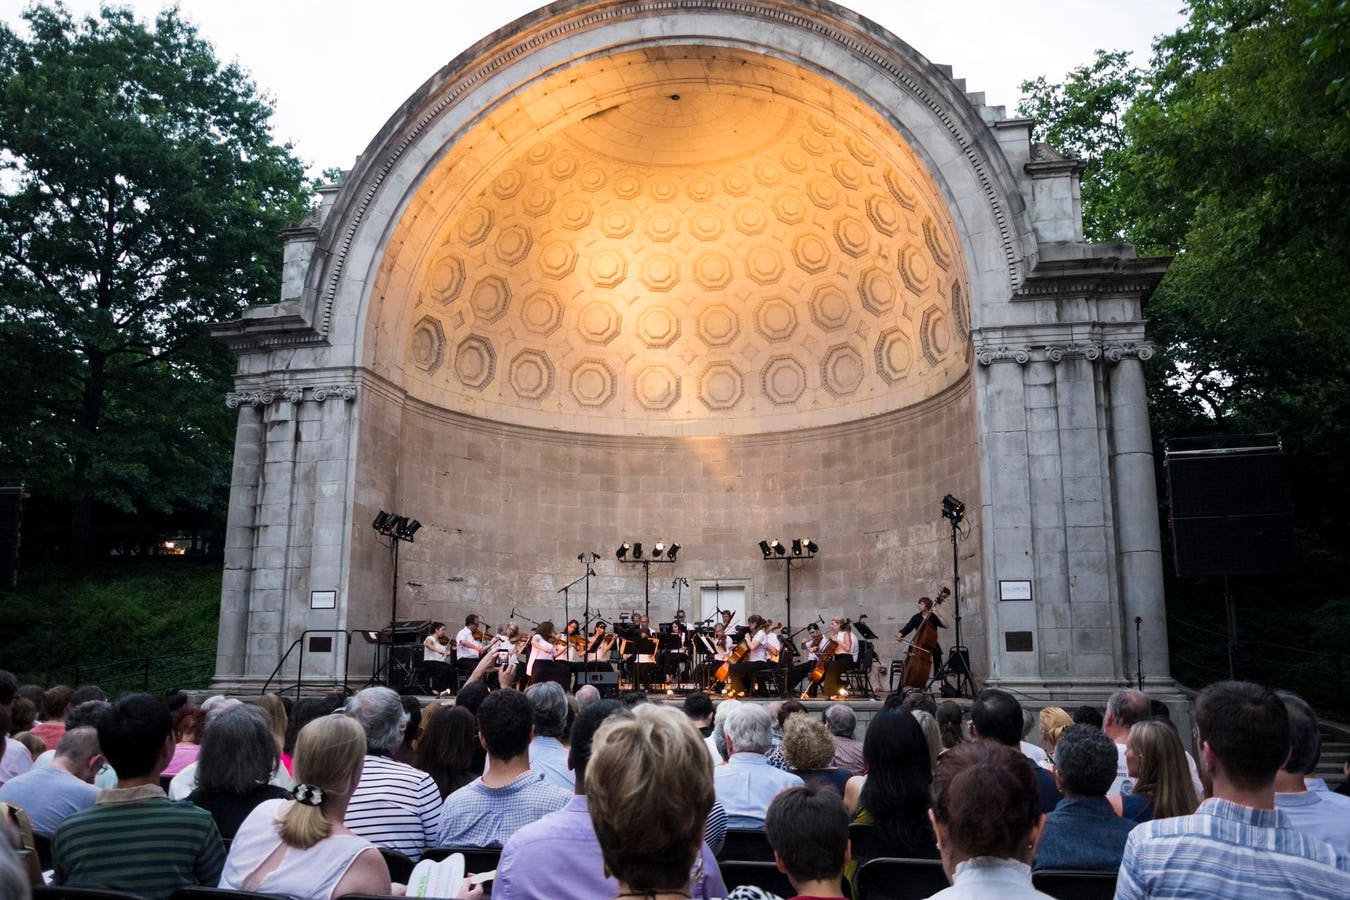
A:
[(1231, 152), (141, 197)]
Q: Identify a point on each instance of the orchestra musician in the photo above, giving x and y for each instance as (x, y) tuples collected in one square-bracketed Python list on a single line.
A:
[(841, 634), (639, 664), (597, 660), (435, 650), (574, 649), (520, 646), (756, 659), (672, 660), (468, 646), (544, 664), (926, 610), (814, 640)]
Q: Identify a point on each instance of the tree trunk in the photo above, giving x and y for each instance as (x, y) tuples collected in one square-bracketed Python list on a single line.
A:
[(82, 550)]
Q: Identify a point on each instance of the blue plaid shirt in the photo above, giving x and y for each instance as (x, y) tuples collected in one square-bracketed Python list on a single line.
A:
[(1229, 850), (479, 816)]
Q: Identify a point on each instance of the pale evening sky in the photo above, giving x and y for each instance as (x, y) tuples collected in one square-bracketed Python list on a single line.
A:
[(337, 69)]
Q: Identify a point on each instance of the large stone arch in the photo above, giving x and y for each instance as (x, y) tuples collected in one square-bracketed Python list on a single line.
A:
[(916, 314)]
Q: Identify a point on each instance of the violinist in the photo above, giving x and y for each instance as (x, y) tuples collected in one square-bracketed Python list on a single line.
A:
[(544, 650), (640, 663), (435, 649), (468, 646), (814, 641), (520, 647), (673, 660), (600, 646)]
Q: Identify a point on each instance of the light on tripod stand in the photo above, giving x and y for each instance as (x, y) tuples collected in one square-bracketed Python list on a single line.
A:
[(382, 522), (778, 547), (407, 528), (953, 509), (796, 546), (622, 552), (811, 546), (670, 554), (658, 550), (765, 549), (637, 551)]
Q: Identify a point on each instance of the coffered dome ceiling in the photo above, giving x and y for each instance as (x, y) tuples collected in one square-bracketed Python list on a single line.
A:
[(698, 256)]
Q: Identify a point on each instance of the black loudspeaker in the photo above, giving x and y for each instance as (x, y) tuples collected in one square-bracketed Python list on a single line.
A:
[(405, 669), (1231, 513), (607, 683), (11, 517)]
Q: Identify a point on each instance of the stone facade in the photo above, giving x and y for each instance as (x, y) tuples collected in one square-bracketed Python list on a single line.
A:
[(703, 271)]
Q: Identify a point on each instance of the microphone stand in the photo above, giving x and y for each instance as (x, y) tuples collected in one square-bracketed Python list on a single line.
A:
[(564, 589), (1138, 653)]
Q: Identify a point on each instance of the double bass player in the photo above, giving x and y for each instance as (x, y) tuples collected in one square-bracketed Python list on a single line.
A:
[(925, 653)]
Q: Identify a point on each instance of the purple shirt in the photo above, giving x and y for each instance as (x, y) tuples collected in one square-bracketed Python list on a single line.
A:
[(529, 865)]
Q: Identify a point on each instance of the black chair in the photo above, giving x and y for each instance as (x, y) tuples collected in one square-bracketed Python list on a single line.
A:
[(889, 878), (210, 893), (746, 845), (400, 866), (858, 679), (43, 845), (1075, 884), (59, 892), (773, 681), (736, 872), (897, 671), (862, 841)]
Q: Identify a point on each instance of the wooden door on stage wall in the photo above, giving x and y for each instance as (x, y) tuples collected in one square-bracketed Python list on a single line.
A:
[(714, 595)]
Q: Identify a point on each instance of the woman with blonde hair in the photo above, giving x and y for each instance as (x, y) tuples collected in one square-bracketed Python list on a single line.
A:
[(1053, 722), (808, 750), (1156, 761), (299, 848), (276, 714), (649, 843)]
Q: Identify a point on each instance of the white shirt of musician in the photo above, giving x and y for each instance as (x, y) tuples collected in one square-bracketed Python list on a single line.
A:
[(465, 645), (844, 642), (539, 649), (812, 646), (759, 652), (433, 650)]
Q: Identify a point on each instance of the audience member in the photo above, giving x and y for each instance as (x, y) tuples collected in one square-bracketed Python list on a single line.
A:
[(133, 838), (698, 706), (446, 749), (306, 710), (85, 715), (747, 784), (16, 759), (55, 707), (1083, 832), (1053, 722), (509, 794), (1237, 844), (1087, 715), (808, 748), (1320, 814), (638, 765), (932, 734), (185, 782), (779, 713), (1123, 709), (15, 882), (997, 715), (586, 695), (395, 806), (278, 720), (22, 716), (893, 796), (807, 827), (987, 820), (717, 742), (52, 793), (1156, 763), (320, 857), (848, 752), (951, 722), (528, 868), (188, 723), (234, 770), (548, 756), (33, 743), (412, 731)]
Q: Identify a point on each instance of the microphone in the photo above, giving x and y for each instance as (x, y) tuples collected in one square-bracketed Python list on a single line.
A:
[(1139, 620)]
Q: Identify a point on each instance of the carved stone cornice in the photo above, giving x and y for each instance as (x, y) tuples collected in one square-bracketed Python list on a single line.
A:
[(1119, 275), (1056, 353), (290, 393)]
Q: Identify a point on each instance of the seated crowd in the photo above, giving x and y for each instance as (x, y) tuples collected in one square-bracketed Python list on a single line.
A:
[(585, 797)]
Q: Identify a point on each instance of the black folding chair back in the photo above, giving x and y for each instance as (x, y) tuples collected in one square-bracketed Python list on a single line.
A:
[(736, 872), (1075, 884), (746, 845), (59, 892), (890, 878), (210, 893), (43, 845), (400, 866)]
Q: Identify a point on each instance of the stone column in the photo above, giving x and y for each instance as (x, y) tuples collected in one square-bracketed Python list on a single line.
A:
[(1136, 502), (236, 585)]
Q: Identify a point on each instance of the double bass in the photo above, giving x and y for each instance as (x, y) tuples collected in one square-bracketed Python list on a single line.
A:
[(919, 661)]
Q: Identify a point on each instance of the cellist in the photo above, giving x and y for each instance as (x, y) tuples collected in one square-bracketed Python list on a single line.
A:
[(927, 614)]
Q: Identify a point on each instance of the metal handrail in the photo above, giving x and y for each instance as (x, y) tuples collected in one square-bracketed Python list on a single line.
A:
[(300, 671), (144, 666)]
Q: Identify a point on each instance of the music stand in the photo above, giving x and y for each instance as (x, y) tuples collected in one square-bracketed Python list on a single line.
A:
[(864, 632)]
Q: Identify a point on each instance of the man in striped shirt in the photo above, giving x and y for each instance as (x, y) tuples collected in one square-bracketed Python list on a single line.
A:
[(1237, 844), (395, 806), (134, 838)]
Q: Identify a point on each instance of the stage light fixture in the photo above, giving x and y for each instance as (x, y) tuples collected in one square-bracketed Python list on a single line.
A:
[(670, 554), (637, 550), (953, 509), (765, 549), (381, 523), (659, 550), (622, 552), (397, 524), (410, 528), (811, 546), (796, 546), (778, 547)]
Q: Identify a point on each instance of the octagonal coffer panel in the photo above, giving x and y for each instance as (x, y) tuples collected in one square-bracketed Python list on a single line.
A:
[(816, 264)]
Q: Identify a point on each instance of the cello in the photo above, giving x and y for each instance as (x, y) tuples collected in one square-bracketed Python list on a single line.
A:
[(827, 653), (737, 654), (919, 660)]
